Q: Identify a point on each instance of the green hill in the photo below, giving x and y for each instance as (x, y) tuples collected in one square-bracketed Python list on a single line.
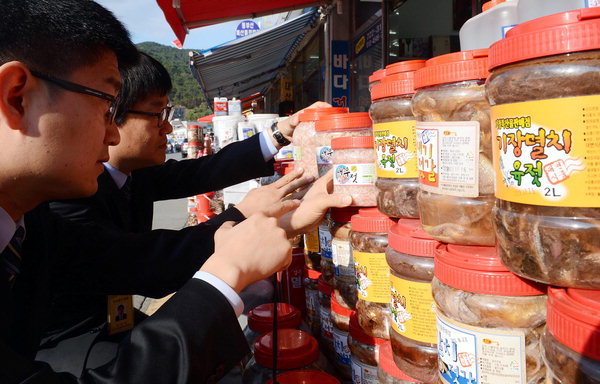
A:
[(186, 91)]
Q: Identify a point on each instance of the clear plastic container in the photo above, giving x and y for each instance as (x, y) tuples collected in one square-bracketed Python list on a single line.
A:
[(338, 125), (312, 250), (413, 332), (454, 149), (340, 318), (548, 207), (354, 169), (571, 344), (482, 30), (395, 140), (311, 290), (304, 138), (365, 353), (260, 320), (327, 267), (325, 291), (533, 9), (305, 376), (295, 350), (344, 280), (489, 315), (369, 240), (388, 372)]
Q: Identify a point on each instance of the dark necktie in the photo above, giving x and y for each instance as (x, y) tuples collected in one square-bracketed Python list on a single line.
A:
[(126, 188), (10, 258)]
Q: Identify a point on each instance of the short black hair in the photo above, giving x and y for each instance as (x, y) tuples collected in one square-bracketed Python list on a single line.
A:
[(146, 78), (59, 36)]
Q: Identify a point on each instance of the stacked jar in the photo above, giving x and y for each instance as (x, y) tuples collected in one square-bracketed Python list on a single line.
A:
[(313, 309), (369, 239), (295, 350), (304, 137), (326, 339), (312, 250), (545, 90), (364, 351), (489, 320), (354, 169), (292, 278), (571, 344), (260, 320), (388, 372), (454, 148), (327, 268), (394, 131), (340, 317), (413, 334), (344, 279), (337, 125)]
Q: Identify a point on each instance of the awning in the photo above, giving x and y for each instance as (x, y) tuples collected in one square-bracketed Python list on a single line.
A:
[(248, 65), (206, 119), (183, 15)]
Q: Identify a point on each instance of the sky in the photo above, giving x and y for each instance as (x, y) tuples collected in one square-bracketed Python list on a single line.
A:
[(146, 22)]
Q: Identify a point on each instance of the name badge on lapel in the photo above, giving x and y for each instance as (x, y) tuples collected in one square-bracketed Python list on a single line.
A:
[(120, 313)]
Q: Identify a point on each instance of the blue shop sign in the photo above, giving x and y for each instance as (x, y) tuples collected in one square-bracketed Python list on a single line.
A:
[(245, 28)]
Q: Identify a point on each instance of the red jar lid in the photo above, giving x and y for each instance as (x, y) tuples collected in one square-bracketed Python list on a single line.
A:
[(260, 319), (295, 349), (453, 67), (348, 142), (311, 273), (386, 362), (342, 215), (404, 66), (343, 121), (314, 114), (565, 32), (393, 88), (409, 237), (574, 319), (480, 270), (491, 4), (288, 167), (371, 220), (337, 308), (323, 287), (377, 75), (359, 335), (305, 376)]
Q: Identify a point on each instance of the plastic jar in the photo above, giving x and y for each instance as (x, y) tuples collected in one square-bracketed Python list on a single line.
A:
[(545, 118), (304, 137), (327, 268), (295, 350), (344, 280), (388, 372), (533, 9), (326, 339), (305, 377), (571, 344), (482, 30), (454, 149), (354, 169), (260, 319), (338, 125), (365, 353), (369, 240), (292, 280), (312, 250), (340, 318), (313, 310), (375, 78), (394, 131), (486, 314), (413, 334)]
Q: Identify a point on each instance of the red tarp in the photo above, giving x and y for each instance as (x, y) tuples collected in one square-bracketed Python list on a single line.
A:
[(199, 13), (206, 119)]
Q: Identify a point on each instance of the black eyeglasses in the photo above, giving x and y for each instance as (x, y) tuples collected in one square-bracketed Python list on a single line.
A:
[(163, 115), (73, 87)]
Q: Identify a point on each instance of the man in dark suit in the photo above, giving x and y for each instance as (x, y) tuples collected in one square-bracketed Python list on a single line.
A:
[(59, 77)]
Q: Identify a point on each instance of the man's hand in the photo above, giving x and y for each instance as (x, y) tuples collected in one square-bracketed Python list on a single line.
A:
[(313, 207), (269, 199), (287, 126), (249, 252)]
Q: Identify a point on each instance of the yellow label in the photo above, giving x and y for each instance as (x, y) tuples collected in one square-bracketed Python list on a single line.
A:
[(413, 310), (395, 149), (372, 277), (311, 241), (547, 152), (120, 313)]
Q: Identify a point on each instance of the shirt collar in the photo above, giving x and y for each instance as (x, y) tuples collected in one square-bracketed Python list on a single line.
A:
[(119, 177), (8, 227)]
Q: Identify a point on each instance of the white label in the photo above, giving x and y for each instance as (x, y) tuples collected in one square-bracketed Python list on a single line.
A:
[(325, 241), (448, 157), (312, 302), (343, 262), (363, 373), (480, 355), (507, 28), (354, 174), (326, 323), (592, 3), (324, 155), (340, 344)]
